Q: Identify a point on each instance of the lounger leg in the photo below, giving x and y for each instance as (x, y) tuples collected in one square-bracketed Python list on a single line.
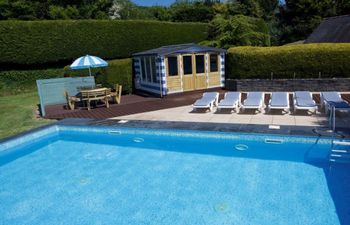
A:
[(107, 103), (88, 104)]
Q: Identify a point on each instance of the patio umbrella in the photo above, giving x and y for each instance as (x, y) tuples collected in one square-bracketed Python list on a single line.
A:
[(88, 62)]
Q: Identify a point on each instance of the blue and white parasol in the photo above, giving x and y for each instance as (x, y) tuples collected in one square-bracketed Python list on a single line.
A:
[(88, 62)]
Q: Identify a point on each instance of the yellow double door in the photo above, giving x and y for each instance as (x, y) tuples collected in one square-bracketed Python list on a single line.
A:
[(194, 72)]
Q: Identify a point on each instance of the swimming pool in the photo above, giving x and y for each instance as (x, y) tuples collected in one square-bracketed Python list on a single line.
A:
[(111, 175)]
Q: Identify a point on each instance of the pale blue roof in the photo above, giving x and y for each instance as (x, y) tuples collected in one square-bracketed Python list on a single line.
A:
[(180, 49)]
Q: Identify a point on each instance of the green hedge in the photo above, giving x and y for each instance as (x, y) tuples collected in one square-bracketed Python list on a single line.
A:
[(39, 42), (118, 72), (17, 81), (303, 61)]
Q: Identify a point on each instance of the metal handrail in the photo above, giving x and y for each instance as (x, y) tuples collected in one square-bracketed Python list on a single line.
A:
[(332, 120)]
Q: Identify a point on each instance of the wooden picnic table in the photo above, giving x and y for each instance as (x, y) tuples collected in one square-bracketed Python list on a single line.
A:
[(95, 94)]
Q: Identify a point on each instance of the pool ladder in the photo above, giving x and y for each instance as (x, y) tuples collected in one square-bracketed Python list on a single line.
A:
[(340, 152), (340, 149)]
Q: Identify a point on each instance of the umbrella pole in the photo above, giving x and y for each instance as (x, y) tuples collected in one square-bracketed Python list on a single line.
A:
[(90, 71)]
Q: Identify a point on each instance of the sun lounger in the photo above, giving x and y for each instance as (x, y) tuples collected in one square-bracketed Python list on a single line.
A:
[(230, 101), (255, 100), (208, 101), (279, 100), (331, 99), (303, 101)]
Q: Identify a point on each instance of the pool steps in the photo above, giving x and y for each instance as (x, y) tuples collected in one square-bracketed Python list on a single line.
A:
[(340, 152), (341, 142)]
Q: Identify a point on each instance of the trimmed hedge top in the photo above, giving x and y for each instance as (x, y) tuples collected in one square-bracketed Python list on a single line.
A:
[(39, 42), (303, 61)]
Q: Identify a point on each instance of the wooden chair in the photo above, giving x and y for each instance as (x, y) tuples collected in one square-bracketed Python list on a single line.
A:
[(117, 94), (71, 100)]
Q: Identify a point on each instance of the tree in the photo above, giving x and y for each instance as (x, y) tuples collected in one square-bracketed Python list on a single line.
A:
[(245, 7), (237, 31), (54, 9), (19, 9), (300, 17), (160, 13), (125, 9), (343, 7), (269, 7), (191, 12), (121, 9)]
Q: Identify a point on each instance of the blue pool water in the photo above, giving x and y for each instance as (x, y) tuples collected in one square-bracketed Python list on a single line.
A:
[(77, 175)]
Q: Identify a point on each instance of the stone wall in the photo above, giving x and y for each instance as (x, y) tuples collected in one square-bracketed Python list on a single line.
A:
[(315, 85)]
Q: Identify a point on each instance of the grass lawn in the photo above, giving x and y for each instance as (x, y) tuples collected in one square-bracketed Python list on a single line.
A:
[(17, 114)]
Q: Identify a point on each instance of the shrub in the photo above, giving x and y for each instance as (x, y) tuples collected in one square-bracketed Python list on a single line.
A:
[(40, 42), (301, 61), (17, 81), (118, 72)]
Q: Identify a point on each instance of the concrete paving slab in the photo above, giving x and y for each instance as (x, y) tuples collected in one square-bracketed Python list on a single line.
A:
[(186, 114)]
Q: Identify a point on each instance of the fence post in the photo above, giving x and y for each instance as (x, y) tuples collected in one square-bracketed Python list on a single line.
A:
[(271, 75)]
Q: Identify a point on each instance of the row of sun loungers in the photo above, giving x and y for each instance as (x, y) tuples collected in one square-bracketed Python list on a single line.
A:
[(302, 100)]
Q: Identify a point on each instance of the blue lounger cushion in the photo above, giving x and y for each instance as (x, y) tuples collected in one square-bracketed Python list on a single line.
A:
[(202, 102), (231, 99), (332, 99), (254, 99), (304, 99), (207, 99), (331, 96), (339, 105), (279, 99)]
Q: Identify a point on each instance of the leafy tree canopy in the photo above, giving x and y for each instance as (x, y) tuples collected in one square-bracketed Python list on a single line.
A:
[(298, 18), (289, 21), (238, 30), (54, 9)]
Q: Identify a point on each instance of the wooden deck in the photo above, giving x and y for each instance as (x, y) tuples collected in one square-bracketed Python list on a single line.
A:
[(133, 104), (130, 104)]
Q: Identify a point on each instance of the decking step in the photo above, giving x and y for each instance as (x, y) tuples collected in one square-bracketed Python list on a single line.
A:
[(341, 142)]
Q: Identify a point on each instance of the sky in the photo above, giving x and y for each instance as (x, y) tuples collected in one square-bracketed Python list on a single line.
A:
[(153, 2)]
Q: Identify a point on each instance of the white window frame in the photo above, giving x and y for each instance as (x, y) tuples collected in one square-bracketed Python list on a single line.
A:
[(147, 60)]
